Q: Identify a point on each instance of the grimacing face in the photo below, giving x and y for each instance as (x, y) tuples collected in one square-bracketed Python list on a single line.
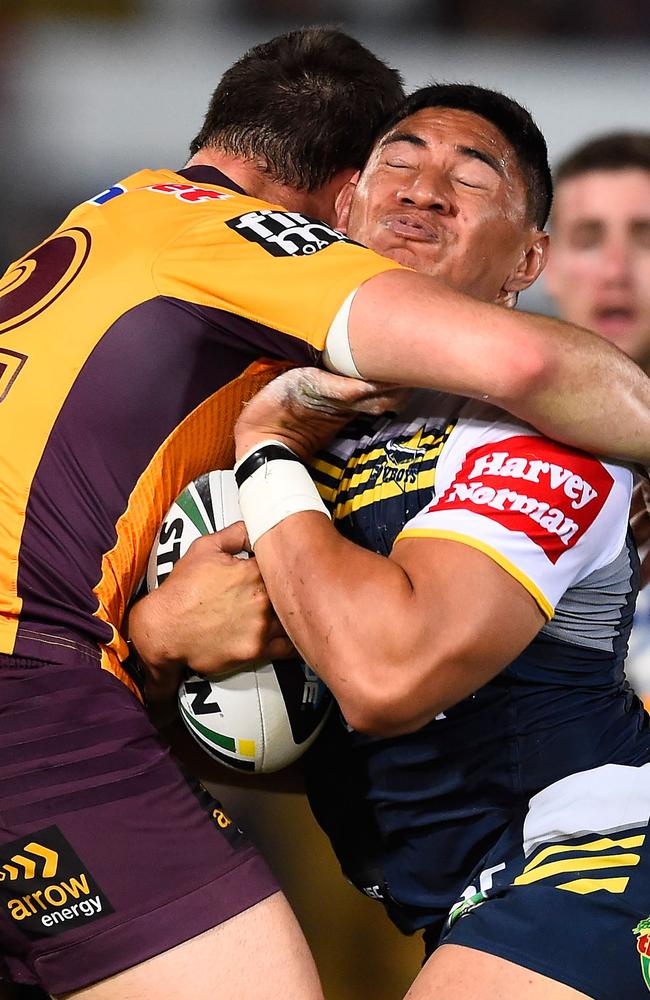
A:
[(443, 193), (599, 268)]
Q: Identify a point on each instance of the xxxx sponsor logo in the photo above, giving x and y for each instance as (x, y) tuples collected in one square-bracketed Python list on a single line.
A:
[(642, 930), (44, 886), (528, 484), (10, 365), (190, 192)]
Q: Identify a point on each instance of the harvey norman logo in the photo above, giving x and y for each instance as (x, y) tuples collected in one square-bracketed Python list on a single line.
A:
[(531, 485), (45, 887)]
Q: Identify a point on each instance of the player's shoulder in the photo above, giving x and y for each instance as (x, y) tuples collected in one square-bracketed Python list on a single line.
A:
[(481, 423), (168, 194), (549, 514), (163, 219), (509, 473)]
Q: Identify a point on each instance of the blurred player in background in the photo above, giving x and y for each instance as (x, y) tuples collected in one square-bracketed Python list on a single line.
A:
[(131, 338), (599, 270), (491, 783), (599, 276)]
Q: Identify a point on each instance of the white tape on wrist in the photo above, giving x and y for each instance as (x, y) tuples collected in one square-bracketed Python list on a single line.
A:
[(273, 484)]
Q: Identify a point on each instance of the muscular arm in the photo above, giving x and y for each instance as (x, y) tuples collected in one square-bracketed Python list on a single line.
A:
[(567, 382), (397, 640)]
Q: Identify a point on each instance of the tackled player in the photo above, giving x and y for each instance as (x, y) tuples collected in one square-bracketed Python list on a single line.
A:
[(493, 787)]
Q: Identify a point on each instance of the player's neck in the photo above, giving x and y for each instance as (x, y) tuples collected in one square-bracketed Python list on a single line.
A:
[(250, 175)]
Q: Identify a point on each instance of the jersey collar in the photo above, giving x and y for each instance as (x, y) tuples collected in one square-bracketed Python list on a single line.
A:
[(204, 174)]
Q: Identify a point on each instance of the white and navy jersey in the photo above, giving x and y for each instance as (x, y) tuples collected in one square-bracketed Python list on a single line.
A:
[(554, 518), (410, 816)]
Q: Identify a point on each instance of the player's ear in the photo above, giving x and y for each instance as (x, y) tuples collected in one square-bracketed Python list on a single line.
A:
[(344, 201), (527, 269)]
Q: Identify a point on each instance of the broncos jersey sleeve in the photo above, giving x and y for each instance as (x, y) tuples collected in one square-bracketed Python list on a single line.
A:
[(548, 514), (129, 341)]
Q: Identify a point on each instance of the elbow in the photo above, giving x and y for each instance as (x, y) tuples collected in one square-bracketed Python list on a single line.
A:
[(372, 719), (385, 718), (385, 723), (388, 696), (380, 704)]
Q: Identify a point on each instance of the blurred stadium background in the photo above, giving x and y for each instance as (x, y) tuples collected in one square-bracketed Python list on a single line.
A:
[(91, 90)]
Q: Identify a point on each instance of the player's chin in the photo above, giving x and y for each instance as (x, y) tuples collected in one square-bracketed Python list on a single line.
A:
[(416, 254)]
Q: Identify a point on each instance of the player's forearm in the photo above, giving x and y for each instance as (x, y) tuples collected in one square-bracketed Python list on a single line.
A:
[(331, 597), (565, 381), (590, 395)]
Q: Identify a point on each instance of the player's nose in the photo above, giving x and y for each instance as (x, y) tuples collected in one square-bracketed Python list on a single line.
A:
[(616, 261), (429, 192)]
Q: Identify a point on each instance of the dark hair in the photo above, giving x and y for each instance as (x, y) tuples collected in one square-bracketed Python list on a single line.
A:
[(307, 104), (513, 121), (616, 151)]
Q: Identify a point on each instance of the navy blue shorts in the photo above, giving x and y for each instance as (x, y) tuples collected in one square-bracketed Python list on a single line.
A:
[(565, 891), (109, 854)]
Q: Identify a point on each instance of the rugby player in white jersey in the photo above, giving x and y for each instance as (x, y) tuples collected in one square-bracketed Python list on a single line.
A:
[(496, 754), (476, 669)]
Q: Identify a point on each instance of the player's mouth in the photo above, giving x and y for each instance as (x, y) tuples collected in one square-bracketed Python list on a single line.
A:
[(413, 227), (612, 321)]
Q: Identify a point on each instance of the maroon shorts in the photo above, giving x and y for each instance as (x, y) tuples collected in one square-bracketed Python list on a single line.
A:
[(109, 854)]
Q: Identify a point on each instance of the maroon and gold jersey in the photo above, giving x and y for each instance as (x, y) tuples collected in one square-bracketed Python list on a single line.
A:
[(128, 342)]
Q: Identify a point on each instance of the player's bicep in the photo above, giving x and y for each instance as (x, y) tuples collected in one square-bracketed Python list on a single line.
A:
[(516, 520), (484, 616)]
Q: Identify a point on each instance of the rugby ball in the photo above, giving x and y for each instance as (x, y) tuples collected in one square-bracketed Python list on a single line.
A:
[(255, 720)]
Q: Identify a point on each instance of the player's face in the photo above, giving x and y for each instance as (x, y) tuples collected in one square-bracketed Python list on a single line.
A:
[(599, 271), (443, 193)]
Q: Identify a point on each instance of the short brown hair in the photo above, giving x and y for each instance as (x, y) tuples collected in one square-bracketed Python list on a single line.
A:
[(307, 104), (614, 151)]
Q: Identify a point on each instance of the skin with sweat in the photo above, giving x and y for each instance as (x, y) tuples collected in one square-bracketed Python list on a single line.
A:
[(442, 193)]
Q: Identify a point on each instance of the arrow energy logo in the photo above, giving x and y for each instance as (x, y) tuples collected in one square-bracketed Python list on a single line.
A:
[(45, 887), (19, 864)]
